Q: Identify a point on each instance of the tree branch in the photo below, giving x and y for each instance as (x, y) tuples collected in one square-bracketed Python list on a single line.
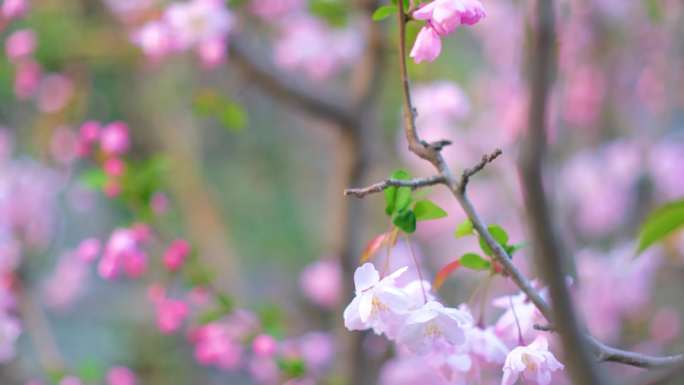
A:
[(290, 92), (381, 186), (431, 153), (469, 172), (548, 254)]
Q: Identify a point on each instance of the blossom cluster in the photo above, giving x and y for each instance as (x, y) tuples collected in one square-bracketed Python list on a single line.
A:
[(442, 17), (202, 26), (446, 338), (306, 43), (50, 92)]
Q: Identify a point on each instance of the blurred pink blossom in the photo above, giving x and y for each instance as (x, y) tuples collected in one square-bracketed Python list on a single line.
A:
[(10, 329), (273, 10), (154, 38), (171, 313), (67, 283), (212, 52), (197, 21), (321, 282), (122, 253), (26, 79), (159, 203), (115, 138), (666, 325), (88, 249), (12, 9), (308, 44), (114, 166), (54, 92), (120, 375), (175, 254), (264, 345), (70, 380), (64, 145), (20, 44), (214, 346)]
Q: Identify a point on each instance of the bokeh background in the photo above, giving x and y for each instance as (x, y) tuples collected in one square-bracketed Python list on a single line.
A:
[(255, 182)]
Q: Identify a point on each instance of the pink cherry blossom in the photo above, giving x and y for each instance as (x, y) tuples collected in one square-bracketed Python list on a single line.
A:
[(121, 375), (445, 15), (20, 44), (215, 346), (10, 329), (64, 145), (114, 138), (70, 380), (175, 255), (273, 10), (308, 44), (171, 313), (520, 312), (88, 249), (159, 203), (434, 324), (317, 349), (212, 52), (264, 370), (196, 21), (114, 167), (321, 282), (379, 304), (12, 9), (67, 283), (54, 92), (122, 254), (264, 345), (486, 345), (533, 362), (428, 45), (154, 38), (26, 79)]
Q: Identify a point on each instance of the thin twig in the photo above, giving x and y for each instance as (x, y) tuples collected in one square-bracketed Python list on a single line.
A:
[(291, 92), (383, 185), (433, 155), (469, 172)]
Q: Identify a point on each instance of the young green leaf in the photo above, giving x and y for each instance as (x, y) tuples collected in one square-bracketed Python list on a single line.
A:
[(499, 235), (384, 12), (397, 198), (465, 228), (94, 178), (474, 261), (426, 210), (662, 222), (405, 220)]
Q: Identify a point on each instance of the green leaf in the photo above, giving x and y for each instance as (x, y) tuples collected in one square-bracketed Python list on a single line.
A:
[(662, 222), (384, 12), (465, 228), (405, 220), (211, 315), (334, 12), (292, 367), (94, 178), (209, 104), (499, 235), (512, 249), (426, 210), (395, 197), (233, 116), (91, 371), (474, 261)]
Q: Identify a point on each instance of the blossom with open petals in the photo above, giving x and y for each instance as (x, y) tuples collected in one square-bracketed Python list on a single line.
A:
[(534, 362), (433, 323), (379, 304)]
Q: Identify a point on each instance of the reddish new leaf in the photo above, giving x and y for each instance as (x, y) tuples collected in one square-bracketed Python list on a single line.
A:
[(373, 246), (444, 273)]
